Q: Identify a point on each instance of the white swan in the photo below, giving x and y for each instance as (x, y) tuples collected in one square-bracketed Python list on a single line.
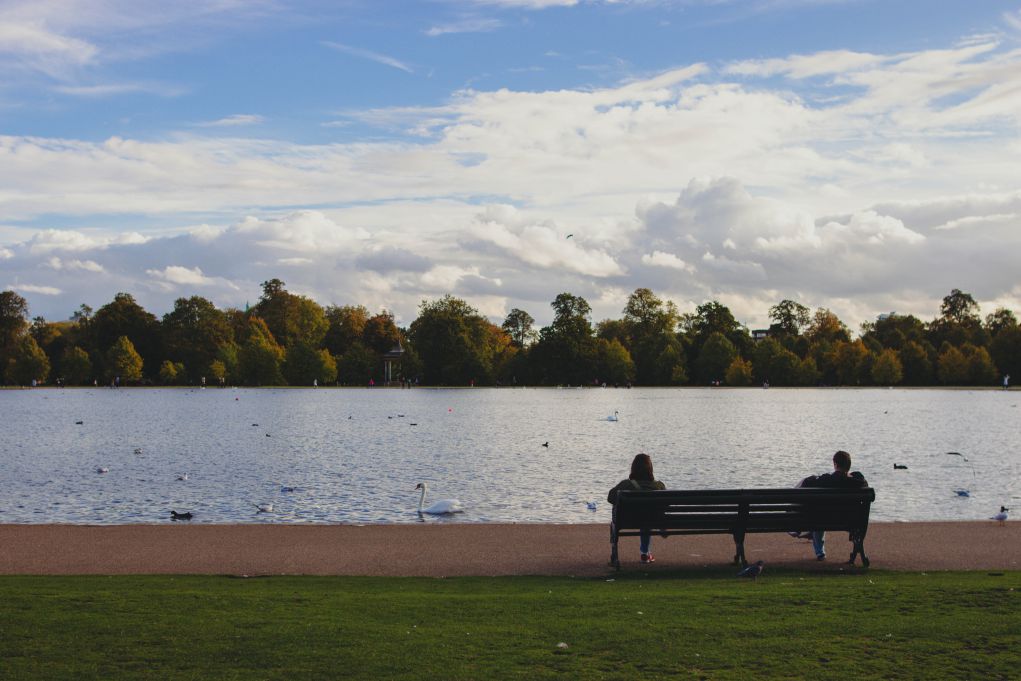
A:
[(613, 416), (441, 507)]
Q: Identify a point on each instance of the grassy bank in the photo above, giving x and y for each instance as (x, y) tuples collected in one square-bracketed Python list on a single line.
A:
[(702, 625)]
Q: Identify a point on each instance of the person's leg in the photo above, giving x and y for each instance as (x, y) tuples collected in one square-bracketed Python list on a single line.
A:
[(819, 544), (645, 540)]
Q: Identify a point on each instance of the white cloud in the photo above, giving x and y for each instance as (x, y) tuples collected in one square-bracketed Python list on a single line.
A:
[(305, 231), (368, 54), (669, 260), (234, 120), (32, 288), (468, 25), (180, 275), (75, 265), (6, 254)]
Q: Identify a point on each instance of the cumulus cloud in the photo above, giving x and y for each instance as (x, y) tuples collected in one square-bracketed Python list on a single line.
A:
[(668, 260), (72, 265)]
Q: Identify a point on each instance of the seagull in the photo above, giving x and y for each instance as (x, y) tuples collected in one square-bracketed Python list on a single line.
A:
[(183, 476), (264, 508), (957, 454), (899, 467), (102, 469), (752, 571), (1001, 517), (174, 515), (546, 444)]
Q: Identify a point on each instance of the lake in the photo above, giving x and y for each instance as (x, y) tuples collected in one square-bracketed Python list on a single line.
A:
[(355, 455)]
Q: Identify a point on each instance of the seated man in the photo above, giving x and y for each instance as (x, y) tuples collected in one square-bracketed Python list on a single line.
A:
[(841, 478)]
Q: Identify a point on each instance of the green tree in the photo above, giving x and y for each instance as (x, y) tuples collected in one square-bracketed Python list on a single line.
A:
[(125, 317), (649, 323), (1000, 320), (887, 369), (807, 373), (13, 326), (518, 325), (123, 362), (959, 322), (456, 344), (981, 370), (853, 363), (739, 373), (917, 368), (381, 334), (614, 365), (217, 371), (75, 365), (305, 365), (789, 317), (952, 366), (171, 373), (671, 365), (28, 363), (714, 359), (346, 325), (194, 331), (775, 364), (291, 318), (894, 331), (357, 366), (565, 352), (1005, 349), (261, 357)]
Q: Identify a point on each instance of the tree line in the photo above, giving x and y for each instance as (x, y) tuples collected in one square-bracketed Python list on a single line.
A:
[(289, 339)]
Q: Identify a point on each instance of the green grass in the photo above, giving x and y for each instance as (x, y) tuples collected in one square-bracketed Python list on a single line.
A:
[(680, 625)]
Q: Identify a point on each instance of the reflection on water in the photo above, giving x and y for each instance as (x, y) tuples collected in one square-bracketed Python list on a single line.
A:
[(356, 455)]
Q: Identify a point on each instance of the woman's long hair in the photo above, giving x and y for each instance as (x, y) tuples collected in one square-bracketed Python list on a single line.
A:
[(641, 468)]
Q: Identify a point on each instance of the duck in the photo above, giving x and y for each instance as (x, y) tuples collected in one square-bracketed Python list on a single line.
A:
[(546, 444), (174, 515), (591, 505), (441, 507), (899, 467)]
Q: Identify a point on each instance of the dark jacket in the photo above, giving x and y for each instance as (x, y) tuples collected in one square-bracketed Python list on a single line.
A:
[(633, 484), (837, 480)]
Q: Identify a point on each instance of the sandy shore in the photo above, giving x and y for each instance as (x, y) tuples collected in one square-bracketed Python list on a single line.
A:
[(442, 550)]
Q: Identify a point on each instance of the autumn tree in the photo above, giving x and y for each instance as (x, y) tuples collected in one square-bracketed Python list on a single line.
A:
[(75, 365), (123, 362), (887, 369)]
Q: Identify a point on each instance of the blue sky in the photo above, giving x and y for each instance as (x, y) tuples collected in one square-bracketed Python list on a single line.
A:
[(858, 155)]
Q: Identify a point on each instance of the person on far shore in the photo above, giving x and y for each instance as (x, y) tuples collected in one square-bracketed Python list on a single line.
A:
[(1006, 381), (641, 478), (840, 478)]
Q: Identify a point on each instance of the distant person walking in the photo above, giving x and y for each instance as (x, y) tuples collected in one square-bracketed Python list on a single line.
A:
[(1006, 381), (840, 478), (640, 478)]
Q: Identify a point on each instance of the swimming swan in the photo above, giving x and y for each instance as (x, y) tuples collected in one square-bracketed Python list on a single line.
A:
[(441, 507), (613, 416)]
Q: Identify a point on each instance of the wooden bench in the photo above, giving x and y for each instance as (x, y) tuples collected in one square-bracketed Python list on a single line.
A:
[(739, 512)]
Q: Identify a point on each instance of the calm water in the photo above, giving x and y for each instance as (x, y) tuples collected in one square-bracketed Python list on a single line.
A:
[(351, 457)]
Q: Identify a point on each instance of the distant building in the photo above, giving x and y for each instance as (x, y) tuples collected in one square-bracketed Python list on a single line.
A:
[(389, 359), (759, 334)]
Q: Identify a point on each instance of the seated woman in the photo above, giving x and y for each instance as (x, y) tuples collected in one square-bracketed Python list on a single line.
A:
[(641, 478)]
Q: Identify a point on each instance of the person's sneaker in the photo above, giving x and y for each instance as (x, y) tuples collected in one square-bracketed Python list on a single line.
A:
[(647, 558), (821, 556), (796, 535)]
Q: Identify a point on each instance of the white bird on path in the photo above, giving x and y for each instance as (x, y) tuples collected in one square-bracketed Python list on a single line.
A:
[(441, 507), (1001, 517)]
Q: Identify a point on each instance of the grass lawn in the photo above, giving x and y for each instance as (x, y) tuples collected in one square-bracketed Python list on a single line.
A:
[(638, 625)]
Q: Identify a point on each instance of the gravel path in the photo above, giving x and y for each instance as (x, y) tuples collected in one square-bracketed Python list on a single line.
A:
[(450, 549)]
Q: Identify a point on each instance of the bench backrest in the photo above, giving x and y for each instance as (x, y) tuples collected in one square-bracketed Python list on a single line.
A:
[(747, 510)]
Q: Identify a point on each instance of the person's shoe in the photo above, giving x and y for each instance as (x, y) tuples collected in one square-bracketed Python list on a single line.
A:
[(796, 535), (647, 558), (821, 556)]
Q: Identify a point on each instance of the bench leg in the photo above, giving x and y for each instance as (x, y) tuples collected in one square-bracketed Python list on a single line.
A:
[(859, 549), (614, 560)]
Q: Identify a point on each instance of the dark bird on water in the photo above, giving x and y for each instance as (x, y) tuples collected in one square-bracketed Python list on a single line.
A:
[(78, 423), (899, 467), (546, 445), (752, 571), (174, 515)]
